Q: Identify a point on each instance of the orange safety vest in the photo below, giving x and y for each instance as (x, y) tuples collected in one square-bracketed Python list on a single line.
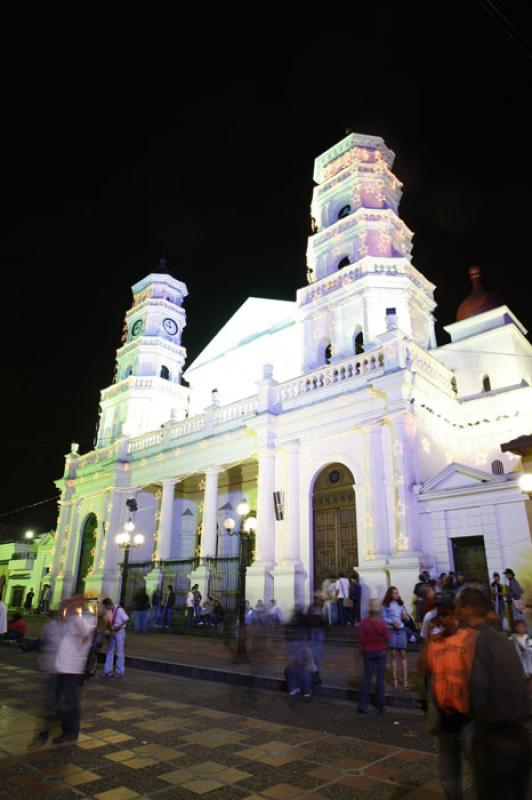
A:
[(450, 661)]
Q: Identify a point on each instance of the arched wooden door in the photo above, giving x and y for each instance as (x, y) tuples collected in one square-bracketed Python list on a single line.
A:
[(335, 531), (86, 555)]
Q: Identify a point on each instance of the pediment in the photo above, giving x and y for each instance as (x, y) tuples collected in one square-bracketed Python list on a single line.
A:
[(459, 476)]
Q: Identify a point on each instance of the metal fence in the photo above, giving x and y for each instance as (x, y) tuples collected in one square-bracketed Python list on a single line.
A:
[(223, 580)]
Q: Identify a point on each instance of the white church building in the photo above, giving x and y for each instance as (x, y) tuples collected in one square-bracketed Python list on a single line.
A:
[(385, 447)]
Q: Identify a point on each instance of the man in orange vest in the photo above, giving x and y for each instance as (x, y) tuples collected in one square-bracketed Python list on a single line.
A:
[(448, 661)]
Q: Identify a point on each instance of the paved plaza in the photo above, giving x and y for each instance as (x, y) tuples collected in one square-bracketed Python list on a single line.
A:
[(165, 737)]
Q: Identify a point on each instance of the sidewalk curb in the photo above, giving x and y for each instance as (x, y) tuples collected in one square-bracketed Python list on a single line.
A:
[(235, 678)]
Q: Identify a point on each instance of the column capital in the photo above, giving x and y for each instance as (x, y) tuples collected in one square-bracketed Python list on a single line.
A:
[(212, 471)]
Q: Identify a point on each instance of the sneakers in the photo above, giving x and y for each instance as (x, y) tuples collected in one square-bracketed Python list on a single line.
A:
[(307, 695), (293, 692)]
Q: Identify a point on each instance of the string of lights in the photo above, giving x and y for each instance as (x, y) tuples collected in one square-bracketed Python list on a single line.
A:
[(31, 505)]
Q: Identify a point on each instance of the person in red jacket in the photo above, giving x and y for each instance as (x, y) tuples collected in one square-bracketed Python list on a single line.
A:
[(373, 637), (16, 629)]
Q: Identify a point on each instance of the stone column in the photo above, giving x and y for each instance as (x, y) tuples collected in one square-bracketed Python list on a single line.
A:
[(71, 552), (259, 578), (210, 513), (405, 561), (164, 543), (93, 581), (112, 555), (289, 575), (209, 533), (63, 528)]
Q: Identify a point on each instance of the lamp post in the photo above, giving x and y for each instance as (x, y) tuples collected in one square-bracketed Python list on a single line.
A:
[(125, 541), (248, 526)]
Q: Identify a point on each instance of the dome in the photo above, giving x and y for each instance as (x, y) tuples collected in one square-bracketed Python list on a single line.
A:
[(479, 300)]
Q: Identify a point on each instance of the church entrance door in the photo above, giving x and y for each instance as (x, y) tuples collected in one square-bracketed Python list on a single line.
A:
[(469, 555), (335, 531), (86, 556)]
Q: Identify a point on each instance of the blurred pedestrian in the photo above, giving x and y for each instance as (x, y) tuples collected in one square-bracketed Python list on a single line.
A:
[(373, 637), (523, 647), (3, 618), (514, 597), (156, 610), (342, 594), (499, 705), (317, 626), (48, 646), (72, 650), (141, 607), (355, 594), (497, 598)]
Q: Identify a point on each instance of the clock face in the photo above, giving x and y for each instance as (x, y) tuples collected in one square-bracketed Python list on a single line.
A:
[(137, 327), (169, 326)]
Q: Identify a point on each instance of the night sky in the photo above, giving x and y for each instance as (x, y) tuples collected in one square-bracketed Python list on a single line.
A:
[(196, 140)]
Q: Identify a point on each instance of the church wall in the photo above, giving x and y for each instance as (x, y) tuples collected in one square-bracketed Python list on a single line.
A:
[(236, 373)]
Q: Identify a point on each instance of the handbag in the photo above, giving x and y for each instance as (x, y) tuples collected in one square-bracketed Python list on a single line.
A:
[(410, 624)]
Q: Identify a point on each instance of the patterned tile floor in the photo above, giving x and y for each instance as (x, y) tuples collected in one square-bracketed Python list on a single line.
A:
[(152, 736)]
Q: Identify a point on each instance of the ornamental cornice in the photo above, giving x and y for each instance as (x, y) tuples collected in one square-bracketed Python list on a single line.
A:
[(141, 383), (151, 341), (385, 217), (151, 302), (357, 172), (351, 142)]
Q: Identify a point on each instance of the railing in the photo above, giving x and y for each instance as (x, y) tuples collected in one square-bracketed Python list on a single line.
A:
[(349, 274), (100, 454), (351, 369), (427, 365), (242, 408), (145, 441)]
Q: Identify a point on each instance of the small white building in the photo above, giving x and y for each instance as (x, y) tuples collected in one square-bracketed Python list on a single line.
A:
[(384, 447), (25, 565)]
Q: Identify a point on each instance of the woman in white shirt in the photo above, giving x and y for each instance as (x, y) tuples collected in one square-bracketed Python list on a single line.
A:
[(395, 615)]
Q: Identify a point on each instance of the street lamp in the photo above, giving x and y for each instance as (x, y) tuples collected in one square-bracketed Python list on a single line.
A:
[(525, 482), (125, 541), (247, 528)]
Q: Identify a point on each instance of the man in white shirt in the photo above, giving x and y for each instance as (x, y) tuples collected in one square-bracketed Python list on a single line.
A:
[(189, 603), (342, 593), (72, 651), (116, 620)]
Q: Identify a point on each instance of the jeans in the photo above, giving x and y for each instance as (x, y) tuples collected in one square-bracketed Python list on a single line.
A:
[(317, 636), (373, 663), (190, 617), (116, 645), (454, 748), (68, 699), (166, 617), (141, 622), (155, 614), (299, 678)]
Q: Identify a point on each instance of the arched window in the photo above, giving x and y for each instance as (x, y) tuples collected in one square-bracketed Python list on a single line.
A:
[(343, 263), (358, 343), (497, 467), (486, 383), (344, 211), (328, 354), (165, 373)]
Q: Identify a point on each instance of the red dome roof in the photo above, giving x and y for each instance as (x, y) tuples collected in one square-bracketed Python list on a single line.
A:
[(479, 300)]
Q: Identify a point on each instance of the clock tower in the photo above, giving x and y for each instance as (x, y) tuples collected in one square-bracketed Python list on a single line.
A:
[(147, 389)]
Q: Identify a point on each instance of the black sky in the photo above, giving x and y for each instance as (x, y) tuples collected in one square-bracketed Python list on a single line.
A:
[(127, 139)]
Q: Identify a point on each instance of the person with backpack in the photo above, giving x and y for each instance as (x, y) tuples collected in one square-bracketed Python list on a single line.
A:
[(116, 620)]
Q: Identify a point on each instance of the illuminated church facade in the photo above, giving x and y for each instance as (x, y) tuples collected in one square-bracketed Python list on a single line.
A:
[(384, 448)]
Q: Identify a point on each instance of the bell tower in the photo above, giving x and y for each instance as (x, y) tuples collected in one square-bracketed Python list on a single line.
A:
[(147, 389), (358, 256)]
